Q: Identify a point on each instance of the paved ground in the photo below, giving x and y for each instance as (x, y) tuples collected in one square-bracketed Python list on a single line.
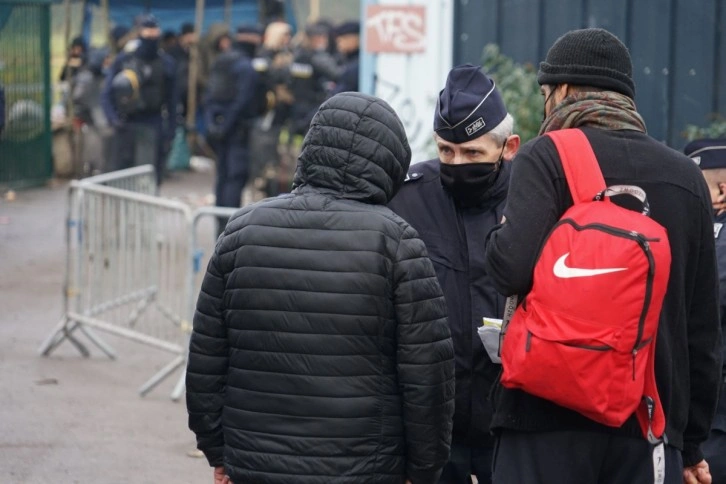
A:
[(66, 419)]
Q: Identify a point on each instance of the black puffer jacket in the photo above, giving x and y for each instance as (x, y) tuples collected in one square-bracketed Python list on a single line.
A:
[(321, 351)]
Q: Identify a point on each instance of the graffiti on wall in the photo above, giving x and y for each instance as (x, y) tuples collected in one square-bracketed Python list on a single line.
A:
[(409, 48), (395, 29), (413, 114)]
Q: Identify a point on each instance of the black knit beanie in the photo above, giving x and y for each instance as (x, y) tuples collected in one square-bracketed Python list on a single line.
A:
[(589, 57)]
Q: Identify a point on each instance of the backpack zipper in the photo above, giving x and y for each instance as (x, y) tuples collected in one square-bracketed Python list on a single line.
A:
[(528, 344), (644, 244)]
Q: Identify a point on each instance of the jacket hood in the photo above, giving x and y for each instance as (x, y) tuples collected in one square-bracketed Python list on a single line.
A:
[(356, 148)]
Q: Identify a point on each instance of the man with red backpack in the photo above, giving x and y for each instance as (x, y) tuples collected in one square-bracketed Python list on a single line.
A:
[(587, 84)]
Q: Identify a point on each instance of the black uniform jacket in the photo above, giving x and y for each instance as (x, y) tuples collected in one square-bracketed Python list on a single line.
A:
[(455, 238)]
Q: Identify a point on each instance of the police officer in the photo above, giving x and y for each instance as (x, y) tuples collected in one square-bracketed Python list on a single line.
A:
[(347, 42), (453, 202), (139, 100), (273, 62), (230, 106), (248, 41), (181, 53), (89, 121), (710, 154), (311, 71)]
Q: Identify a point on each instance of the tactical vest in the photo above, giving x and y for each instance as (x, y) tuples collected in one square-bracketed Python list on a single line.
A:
[(151, 83), (223, 78), (305, 83)]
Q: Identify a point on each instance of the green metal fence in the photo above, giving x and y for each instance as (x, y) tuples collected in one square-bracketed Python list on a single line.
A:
[(26, 143)]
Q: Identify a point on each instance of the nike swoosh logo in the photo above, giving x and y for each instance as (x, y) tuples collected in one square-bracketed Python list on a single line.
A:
[(561, 270)]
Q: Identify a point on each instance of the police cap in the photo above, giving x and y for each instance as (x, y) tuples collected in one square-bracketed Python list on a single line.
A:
[(148, 21), (251, 29), (316, 28), (707, 153), (468, 106), (347, 28)]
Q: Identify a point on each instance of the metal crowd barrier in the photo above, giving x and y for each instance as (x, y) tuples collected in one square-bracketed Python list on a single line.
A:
[(132, 268), (139, 179)]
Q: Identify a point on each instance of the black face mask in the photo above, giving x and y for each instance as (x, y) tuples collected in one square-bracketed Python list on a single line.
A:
[(148, 47), (469, 183)]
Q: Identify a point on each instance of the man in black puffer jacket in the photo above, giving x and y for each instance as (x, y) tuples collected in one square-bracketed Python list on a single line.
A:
[(321, 350)]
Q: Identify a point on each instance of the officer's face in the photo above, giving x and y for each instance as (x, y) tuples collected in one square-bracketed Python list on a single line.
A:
[(716, 181), (483, 149), (187, 39), (319, 42), (347, 43), (150, 32)]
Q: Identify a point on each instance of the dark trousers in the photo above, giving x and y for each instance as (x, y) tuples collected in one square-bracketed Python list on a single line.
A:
[(137, 144), (714, 450), (232, 173), (465, 461), (569, 457)]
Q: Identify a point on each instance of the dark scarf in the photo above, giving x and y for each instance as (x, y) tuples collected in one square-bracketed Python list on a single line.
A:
[(606, 110)]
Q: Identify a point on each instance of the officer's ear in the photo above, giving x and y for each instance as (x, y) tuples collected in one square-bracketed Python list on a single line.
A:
[(511, 146)]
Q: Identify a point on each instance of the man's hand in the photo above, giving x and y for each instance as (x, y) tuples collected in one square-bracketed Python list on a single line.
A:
[(698, 474), (220, 477)]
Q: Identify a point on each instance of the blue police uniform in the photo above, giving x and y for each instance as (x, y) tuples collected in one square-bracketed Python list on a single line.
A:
[(349, 62), (144, 128), (348, 80), (455, 230), (711, 154), (455, 237), (714, 449), (231, 105)]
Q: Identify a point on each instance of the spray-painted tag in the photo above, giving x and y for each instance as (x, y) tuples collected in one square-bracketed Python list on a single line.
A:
[(659, 463)]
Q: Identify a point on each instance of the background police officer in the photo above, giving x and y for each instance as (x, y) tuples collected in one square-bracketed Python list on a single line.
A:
[(710, 154), (347, 42), (311, 72), (181, 53), (139, 100), (453, 202), (230, 106)]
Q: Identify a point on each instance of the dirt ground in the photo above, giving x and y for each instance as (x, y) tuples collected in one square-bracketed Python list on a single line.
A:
[(65, 418)]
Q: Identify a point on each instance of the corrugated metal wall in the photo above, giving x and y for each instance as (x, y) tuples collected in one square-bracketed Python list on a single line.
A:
[(678, 48)]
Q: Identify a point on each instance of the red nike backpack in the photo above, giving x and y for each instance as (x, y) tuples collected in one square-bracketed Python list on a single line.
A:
[(584, 337)]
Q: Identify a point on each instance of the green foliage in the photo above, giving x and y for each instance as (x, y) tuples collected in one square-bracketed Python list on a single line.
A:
[(717, 129), (518, 85)]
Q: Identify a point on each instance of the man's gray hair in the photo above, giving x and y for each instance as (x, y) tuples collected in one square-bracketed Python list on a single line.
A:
[(503, 130)]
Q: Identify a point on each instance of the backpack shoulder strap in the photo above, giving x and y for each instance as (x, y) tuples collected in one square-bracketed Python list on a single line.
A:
[(579, 163)]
